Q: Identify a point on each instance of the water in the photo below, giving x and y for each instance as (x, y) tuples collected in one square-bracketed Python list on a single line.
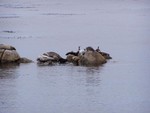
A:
[(119, 27)]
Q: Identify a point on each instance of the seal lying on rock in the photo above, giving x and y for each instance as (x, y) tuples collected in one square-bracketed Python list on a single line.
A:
[(8, 47), (73, 57), (8, 54), (104, 54), (50, 58)]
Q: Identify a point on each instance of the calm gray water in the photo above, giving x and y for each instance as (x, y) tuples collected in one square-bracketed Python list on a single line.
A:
[(119, 27)]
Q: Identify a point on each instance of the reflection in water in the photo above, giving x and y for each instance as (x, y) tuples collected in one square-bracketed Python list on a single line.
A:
[(33, 27), (8, 16), (17, 6), (8, 92), (93, 70), (8, 70), (91, 74), (62, 14), (65, 87), (93, 80), (84, 76)]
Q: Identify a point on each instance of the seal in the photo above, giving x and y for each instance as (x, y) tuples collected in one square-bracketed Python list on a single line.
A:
[(51, 57), (7, 47)]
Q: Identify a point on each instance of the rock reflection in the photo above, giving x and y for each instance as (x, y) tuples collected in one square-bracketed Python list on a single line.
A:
[(93, 70), (8, 70), (5, 16), (93, 80), (93, 76)]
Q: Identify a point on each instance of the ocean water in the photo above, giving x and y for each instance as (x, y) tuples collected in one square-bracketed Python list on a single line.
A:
[(119, 27)]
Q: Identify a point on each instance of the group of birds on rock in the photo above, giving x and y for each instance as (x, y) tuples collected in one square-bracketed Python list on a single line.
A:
[(86, 57)]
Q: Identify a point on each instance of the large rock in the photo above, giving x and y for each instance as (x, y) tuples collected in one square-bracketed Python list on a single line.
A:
[(8, 54), (91, 58)]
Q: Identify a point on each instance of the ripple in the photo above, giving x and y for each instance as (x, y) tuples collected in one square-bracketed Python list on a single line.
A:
[(8, 16), (9, 31), (17, 37), (61, 14), (17, 6)]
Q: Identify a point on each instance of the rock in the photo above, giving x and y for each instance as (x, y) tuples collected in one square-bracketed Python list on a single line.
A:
[(91, 58), (88, 57), (73, 59), (25, 60), (45, 63), (8, 54)]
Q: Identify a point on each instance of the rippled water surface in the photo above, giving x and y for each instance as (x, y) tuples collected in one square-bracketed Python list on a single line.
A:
[(119, 27)]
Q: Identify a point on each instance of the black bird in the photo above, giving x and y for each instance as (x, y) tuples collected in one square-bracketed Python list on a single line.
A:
[(104, 54), (74, 53)]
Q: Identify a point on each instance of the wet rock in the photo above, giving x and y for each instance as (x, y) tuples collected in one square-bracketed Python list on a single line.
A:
[(46, 63), (8, 54), (88, 57), (73, 59), (91, 58), (25, 60)]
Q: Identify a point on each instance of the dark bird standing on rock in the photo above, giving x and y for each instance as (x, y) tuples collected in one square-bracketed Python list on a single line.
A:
[(73, 57), (74, 53), (104, 54)]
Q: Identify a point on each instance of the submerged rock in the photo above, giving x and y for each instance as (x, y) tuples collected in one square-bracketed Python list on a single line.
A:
[(25, 60)]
